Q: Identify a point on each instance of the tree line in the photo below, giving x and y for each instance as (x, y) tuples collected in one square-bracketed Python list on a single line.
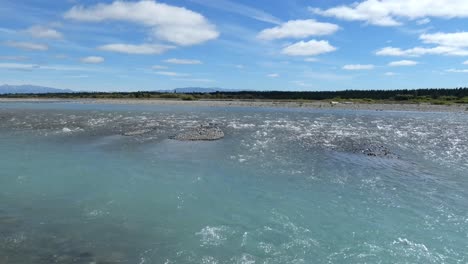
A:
[(455, 94)]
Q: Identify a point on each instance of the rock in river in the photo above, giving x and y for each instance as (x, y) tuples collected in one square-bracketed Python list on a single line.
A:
[(365, 147), (137, 132), (378, 151), (203, 132)]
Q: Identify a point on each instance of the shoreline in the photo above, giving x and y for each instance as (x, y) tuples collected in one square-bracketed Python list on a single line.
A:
[(458, 108)]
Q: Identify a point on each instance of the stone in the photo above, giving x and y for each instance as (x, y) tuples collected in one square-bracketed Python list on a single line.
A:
[(136, 132), (200, 133)]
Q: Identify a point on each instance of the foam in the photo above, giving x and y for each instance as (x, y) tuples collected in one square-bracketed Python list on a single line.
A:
[(213, 235)]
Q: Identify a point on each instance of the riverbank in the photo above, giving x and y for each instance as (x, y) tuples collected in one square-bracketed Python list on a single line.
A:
[(264, 103)]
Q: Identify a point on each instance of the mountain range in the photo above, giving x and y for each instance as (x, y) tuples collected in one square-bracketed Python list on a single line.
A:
[(23, 89), (34, 89)]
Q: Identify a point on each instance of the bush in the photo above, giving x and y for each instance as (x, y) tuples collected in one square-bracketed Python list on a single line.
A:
[(169, 96), (187, 98), (438, 102)]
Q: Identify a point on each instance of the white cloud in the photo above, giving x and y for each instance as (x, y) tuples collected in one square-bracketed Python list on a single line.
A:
[(310, 59), (158, 67), (423, 21), (240, 66), (403, 63), (310, 48), (168, 73), (18, 66), (390, 51), (457, 70), (27, 46), (177, 25), (236, 8), (298, 29), (420, 51), (183, 61), (92, 60), (454, 44), (390, 12), (459, 39), (465, 62), (390, 74), (273, 75), (358, 67), (71, 68), (44, 32), (143, 49)]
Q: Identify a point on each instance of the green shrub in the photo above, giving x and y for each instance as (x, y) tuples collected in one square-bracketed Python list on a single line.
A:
[(169, 96), (438, 102), (188, 98)]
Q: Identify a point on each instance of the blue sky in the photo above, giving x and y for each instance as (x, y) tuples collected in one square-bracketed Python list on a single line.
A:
[(110, 45)]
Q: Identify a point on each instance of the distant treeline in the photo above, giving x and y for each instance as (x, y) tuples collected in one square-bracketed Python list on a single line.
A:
[(399, 95), (457, 95)]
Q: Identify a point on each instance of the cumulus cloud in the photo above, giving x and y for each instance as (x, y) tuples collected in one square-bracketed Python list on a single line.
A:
[(177, 25), (459, 39), (391, 12), (92, 59), (403, 63), (358, 67), (44, 32), (27, 46), (309, 48), (454, 44), (183, 61), (273, 75), (298, 29), (143, 49)]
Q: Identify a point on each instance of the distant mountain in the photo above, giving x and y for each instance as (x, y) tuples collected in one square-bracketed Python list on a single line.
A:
[(196, 90), (23, 89)]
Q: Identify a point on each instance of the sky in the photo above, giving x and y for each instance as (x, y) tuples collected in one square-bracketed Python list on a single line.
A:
[(146, 45)]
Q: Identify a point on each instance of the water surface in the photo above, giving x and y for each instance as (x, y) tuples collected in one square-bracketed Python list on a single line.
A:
[(283, 186)]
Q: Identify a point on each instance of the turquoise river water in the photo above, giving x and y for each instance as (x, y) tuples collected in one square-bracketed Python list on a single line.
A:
[(282, 186)]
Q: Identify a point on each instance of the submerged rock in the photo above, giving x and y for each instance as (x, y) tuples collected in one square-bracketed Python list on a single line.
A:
[(201, 133), (136, 132), (378, 151), (365, 147)]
